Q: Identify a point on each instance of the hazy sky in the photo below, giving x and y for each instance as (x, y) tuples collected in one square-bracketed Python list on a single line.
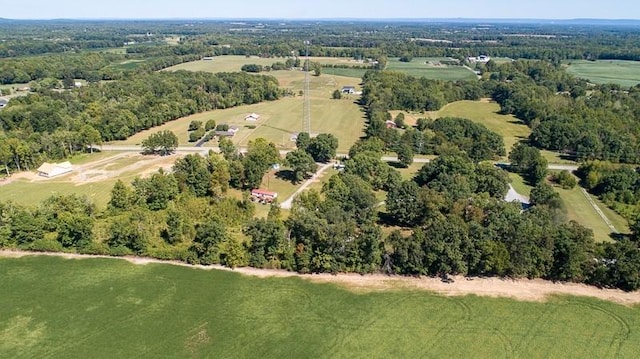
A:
[(286, 9)]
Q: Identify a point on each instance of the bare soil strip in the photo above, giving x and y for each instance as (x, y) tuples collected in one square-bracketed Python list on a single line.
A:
[(519, 289)]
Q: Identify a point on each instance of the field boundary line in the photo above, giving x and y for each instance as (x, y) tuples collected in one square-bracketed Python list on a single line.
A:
[(528, 290), (599, 211)]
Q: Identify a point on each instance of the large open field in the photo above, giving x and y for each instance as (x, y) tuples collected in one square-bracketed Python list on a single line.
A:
[(431, 68), (624, 73), (233, 63), (280, 119), (107, 308), (93, 176)]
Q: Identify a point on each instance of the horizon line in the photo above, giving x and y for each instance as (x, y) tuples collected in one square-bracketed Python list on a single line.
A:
[(320, 19)]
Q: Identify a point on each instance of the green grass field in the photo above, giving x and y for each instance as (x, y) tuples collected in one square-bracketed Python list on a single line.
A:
[(424, 67), (107, 308), (624, 73), (281, 118)]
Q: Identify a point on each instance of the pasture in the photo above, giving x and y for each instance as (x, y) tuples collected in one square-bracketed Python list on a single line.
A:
[(106, 308), (623, 73), (431, 68), (282, 118)]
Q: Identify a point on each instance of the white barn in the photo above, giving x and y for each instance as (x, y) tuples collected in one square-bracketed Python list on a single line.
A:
[(252, 117), (50, 170)]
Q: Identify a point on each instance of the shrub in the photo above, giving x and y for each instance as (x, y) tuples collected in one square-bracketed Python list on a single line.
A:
[(196, 135), (195, 125), (210, 125), (564, 179)]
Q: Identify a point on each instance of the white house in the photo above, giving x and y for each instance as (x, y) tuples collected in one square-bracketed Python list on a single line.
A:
[(54, 169), (252, 117), (349, 89), (3, 102)]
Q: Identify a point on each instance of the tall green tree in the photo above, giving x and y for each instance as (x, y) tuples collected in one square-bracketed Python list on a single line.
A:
[(301, 164)]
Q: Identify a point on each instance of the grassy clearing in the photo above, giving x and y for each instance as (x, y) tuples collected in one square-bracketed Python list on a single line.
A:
[(105, 308), (624, 73), (280, 119), (430, 68), (485, 112)]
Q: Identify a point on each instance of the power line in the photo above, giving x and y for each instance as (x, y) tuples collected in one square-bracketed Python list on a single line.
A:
[(306, 111)]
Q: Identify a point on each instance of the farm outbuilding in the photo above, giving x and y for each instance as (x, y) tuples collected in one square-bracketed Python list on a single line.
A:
[(252, 117), (349, 89), (50, 170)]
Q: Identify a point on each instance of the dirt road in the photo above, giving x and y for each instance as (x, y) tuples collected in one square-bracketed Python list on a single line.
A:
[(519, 289)]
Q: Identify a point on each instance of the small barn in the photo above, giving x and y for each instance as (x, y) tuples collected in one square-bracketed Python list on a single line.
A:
[(50, 170), (263, 196), (252, 117)]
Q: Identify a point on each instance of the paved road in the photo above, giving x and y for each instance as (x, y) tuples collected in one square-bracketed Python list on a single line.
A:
[(191, 149)]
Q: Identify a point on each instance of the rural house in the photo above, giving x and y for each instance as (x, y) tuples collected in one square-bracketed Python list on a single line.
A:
[(390, 124), (50, 170), (3, 102), (263, 196)]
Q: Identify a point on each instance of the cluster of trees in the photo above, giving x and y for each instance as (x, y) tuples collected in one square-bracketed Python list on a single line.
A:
[(618, 186), (563, 117), (55, 124)]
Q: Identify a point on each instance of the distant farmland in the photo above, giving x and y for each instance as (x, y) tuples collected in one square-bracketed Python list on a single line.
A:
[(106, 308), (623, 73), (431, 68)]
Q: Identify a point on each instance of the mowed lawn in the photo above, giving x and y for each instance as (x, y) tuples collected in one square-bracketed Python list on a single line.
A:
[(284, 117), (109, 308), (430, 68), (624, 73)]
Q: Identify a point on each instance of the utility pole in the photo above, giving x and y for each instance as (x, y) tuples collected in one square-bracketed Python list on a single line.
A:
[(306, 111)]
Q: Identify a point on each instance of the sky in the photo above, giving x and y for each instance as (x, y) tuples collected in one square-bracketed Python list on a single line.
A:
[(296, 9)]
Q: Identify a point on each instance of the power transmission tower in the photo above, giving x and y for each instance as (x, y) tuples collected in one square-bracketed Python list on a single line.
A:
[(306, 111)]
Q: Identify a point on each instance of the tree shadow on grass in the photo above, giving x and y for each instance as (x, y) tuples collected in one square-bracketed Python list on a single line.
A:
[(286, 175), (396, 164)]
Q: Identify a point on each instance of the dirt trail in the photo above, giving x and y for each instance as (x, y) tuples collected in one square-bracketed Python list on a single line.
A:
[(519, 289)]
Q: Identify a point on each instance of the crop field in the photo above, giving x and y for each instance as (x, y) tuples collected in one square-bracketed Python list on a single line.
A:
[(623, 73), (431, 68), (282, 118), (93, 177), (106, 308)]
